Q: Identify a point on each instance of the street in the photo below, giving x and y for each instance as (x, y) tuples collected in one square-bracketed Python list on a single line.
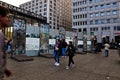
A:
[(88, 67)]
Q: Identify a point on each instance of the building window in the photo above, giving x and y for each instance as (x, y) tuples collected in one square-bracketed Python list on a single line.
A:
[(108, 13), (91, 22), (90, 1), (114, 20), (96, 1), (91, 15), (44, 13), (108, 20), (115, 12), (118, 28), (108, 5), (96, 22), (50, 18), (91, 8), (102, 14), (45, 5), (45, 1), (102, 6), (114, 4), (102, 21), (45, 9), (96, 7), (96, 14)]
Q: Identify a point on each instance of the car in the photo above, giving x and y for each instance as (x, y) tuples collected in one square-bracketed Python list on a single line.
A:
[(113, 45)]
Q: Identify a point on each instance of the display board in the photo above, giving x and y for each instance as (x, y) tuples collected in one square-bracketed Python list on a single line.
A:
[(89, 43), (80, 42), (52, 41), (32, 43)]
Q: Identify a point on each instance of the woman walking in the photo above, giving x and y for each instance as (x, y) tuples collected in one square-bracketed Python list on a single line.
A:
[(70, 51), (106, 52)]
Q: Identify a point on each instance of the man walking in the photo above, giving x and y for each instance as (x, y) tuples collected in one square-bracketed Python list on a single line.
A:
[(4, 22)]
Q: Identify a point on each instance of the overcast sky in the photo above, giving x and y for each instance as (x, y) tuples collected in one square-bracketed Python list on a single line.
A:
[(15, 2)]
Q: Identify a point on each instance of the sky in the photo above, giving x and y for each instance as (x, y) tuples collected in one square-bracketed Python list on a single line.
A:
[(15, 2)]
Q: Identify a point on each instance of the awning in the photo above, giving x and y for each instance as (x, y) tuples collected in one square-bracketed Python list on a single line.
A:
[(116, 32)]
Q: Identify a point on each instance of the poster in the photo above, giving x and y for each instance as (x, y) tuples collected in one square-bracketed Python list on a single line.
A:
[(88, 42), (32, 43), (32, 37), (80, 42), (52, 41)]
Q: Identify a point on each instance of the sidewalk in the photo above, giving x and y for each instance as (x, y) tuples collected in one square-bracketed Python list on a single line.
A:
[(88, 67)]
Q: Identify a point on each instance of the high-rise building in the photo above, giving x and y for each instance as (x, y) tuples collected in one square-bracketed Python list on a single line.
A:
[(98, 18), (53, 10), (65, 14)]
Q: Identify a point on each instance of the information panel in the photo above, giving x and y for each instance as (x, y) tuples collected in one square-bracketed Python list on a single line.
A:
[(32, 43)]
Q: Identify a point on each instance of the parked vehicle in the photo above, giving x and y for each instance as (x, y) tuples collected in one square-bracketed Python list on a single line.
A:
[(113, 45)]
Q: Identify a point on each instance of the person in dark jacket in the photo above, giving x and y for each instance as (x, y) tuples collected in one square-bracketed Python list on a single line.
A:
[(70, 50), (64, 46)]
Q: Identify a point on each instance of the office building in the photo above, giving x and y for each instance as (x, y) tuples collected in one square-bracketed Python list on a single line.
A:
[(98, 18), (56, 11)]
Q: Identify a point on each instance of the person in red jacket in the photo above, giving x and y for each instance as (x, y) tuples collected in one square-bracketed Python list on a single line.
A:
[(4, 22)]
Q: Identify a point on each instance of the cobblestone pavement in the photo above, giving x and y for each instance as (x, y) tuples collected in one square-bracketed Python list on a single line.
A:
[(88, 67)]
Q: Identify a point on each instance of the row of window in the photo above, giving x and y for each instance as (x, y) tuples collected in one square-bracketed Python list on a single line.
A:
[(102, 14), (79, 16), (91, 8), (97, 14), (96, 22), (102, 6), (80, 9), (93, 29), (96, 1), (79, 3), (117, 28)]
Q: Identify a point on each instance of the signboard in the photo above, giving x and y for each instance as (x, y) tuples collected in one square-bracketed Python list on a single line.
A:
[(32, 43), (80, 42), (88, 42), (52, 41)]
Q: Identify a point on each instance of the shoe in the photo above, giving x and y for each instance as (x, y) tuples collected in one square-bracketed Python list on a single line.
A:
[(57, 64), (67, 67), (73, 65)]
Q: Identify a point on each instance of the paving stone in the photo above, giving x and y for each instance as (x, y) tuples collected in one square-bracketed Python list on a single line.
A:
[(88, 67)]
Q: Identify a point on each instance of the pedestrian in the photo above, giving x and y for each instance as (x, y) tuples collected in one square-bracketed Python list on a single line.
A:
[(56, 53), (106, 49), (4, 22), (96, 48), (70, 50), (9, 47), (64, 46)]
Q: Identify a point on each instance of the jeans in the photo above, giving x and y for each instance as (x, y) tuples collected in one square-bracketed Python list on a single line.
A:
[(56, 56), (63, 51), (106, 53)]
